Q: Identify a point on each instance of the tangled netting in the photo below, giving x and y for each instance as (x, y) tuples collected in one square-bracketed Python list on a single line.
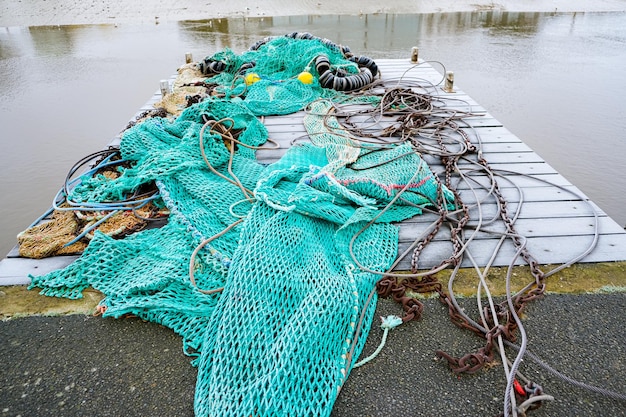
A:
[(267, 76), (265, 271)]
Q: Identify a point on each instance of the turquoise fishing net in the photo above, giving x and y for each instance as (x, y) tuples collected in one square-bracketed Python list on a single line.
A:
[(296, 272), (277, 62)]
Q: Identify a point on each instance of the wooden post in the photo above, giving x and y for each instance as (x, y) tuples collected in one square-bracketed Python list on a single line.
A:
[(448, 86), (414, 54), (165, 87), (188, 58)]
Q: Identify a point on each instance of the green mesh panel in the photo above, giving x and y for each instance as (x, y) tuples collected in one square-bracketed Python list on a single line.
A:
[(278, 63), (275, 341)]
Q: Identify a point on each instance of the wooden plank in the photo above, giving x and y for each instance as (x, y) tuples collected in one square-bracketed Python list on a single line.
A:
[(494, 150), (536, 210), (495, 159), (498, 134), (286, 135), (531, 169), (520, 162), (523, 181), (16, 271), (554, 251), (529, 194), (528, 227)]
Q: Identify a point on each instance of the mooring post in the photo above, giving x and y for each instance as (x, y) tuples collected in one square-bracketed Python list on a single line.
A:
[(165, 87), (414, 54), (448, 85), (188, 58)]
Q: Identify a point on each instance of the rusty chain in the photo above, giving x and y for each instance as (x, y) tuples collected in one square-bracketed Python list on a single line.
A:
[(416, 119), (398, 287)]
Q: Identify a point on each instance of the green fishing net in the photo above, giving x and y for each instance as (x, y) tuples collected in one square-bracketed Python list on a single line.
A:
[(275, 64), (284, 280)]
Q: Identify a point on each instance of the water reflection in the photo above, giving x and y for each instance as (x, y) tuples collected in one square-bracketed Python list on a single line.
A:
[(236, 34), (377, 32), (45, 41), (53, 40)]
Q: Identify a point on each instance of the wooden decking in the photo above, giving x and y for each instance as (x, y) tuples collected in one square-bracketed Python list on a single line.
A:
[(558, 222)]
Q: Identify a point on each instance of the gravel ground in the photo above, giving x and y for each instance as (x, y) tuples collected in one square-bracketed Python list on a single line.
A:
[(81, 365)]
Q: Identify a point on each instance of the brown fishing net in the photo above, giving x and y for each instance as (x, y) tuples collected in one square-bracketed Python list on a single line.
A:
[(51, 237), (189, 85)]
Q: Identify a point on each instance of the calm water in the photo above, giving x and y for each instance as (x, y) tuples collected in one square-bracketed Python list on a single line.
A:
[(557, 81)]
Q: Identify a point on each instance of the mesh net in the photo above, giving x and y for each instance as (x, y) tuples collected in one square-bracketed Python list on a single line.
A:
[(271, 311), (50, 238), (276, 63)]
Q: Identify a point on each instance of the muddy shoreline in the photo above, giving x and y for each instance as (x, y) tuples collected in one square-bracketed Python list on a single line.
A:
[(62, 12)]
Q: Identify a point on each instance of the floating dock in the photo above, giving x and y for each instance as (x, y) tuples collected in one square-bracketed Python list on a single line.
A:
[(558, 222)]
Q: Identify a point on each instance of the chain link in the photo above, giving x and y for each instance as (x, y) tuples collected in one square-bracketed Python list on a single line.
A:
[(473, 361), (412, 125)]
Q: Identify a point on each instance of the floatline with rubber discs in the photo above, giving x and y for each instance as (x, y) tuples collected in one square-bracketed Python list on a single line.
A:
[(268, 272), (339, 77)]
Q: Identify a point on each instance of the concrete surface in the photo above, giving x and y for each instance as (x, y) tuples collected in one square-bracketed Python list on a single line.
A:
[(79, 365)]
